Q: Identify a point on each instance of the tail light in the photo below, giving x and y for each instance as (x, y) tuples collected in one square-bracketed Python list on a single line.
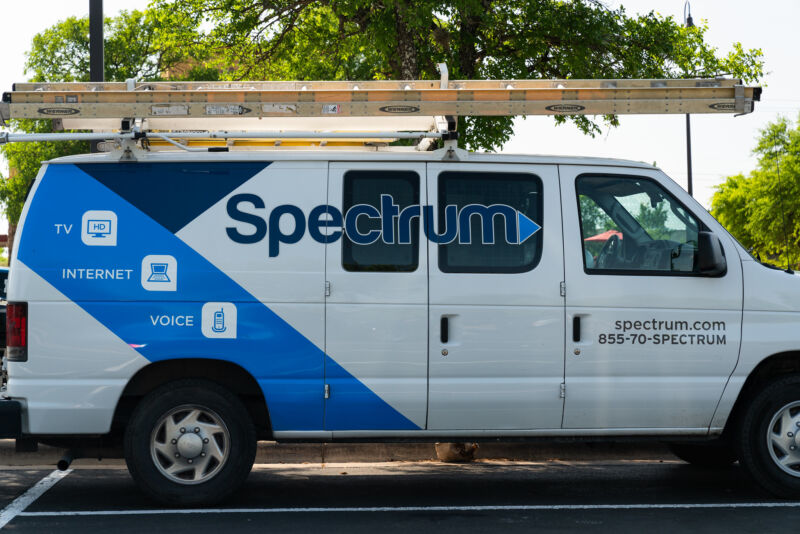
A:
[(17, 331)]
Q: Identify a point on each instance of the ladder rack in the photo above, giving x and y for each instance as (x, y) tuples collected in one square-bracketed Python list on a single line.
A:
[(351, 109), (191, 100)]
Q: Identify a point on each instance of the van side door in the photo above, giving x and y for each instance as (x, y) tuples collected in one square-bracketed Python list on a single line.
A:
[(496, 312), (651, 341), (376, 310)]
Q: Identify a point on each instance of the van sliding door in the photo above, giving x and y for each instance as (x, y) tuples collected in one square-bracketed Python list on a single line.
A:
[(496, 312)]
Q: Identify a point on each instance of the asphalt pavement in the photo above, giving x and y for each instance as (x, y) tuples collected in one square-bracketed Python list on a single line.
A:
[(486, 496)]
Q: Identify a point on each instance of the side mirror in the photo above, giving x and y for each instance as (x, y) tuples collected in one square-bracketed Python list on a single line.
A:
[(710, 258)]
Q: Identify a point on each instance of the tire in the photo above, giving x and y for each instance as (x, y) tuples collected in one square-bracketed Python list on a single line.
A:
[(190, 442), (712, 454), (768, 431)]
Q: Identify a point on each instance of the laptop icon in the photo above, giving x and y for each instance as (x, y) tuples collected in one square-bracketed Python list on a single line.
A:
[(158, 272)]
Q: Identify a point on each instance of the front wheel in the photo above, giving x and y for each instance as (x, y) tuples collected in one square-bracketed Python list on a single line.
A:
[(769, 437), (190, 442)]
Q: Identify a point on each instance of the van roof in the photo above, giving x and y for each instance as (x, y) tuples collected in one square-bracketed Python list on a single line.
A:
[(376, 154)]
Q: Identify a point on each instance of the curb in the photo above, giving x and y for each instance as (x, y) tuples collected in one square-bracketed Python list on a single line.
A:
[(270, 452)]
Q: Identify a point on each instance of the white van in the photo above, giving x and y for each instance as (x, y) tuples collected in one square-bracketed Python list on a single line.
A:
[(183, 306)]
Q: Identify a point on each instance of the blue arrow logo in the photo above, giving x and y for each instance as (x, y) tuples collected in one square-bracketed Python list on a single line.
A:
[(526, 227)]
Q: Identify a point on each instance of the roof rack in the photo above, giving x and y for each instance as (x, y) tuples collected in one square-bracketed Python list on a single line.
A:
[(411, 109)]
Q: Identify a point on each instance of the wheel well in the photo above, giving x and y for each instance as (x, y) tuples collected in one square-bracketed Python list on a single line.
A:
[(227, 374), (781, 364)]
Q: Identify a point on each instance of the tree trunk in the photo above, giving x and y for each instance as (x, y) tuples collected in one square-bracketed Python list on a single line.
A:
[(12, 230), (468, 54), (405, 45)]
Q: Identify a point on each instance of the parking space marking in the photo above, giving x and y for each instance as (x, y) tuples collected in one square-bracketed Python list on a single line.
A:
[(19, 504), (489, 508)]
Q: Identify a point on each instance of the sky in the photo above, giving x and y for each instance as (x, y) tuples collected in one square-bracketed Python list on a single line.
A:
[(721, 144)]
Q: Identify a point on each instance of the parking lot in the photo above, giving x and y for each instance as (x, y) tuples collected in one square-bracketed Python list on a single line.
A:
[(659, 495)]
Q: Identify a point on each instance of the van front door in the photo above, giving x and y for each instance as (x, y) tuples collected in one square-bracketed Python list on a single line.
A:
[(496, 312), (376, 311), (651, 341)]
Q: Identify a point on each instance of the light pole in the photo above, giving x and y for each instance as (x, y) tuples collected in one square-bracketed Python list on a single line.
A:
[(96, 65), (689, 23)]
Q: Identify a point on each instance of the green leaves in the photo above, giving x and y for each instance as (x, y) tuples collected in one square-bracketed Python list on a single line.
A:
[(762, 210), (24, 159), (397, 39)]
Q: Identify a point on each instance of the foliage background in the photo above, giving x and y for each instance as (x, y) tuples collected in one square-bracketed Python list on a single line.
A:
[(762, 209)]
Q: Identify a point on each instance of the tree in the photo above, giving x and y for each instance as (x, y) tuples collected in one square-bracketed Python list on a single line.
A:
[(405, 39), (653, 220), (762, 210), (61, 53), (593, 219)]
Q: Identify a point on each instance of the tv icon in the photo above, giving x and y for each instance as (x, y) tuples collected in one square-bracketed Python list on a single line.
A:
[(160, 273), (99, 228), (218, 320)]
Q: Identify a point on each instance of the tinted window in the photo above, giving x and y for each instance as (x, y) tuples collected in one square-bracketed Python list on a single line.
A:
[(366, 187), (522, 192), (633, 224)]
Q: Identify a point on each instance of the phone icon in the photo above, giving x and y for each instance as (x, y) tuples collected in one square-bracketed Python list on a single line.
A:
[(219, 321)]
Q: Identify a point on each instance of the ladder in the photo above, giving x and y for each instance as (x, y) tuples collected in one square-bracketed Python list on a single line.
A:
[(373, 110)]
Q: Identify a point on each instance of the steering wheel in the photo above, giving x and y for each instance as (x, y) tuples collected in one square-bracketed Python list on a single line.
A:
[(612, 250)]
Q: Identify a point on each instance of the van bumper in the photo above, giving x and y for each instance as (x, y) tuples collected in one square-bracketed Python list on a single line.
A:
[(10, 419)]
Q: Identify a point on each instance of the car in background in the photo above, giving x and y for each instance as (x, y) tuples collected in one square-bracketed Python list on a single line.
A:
[(3, 297)]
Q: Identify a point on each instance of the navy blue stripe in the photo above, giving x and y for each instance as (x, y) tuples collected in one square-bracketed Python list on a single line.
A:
[(173, 194)]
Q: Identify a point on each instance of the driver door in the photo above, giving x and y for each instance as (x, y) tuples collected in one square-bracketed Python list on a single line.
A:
[(650, 341)]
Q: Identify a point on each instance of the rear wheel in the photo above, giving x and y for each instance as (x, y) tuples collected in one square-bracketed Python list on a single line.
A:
[(768, 437), (712, 454), (190, 442)]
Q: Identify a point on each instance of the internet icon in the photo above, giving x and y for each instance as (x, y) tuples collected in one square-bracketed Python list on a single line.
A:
[(158, 272)]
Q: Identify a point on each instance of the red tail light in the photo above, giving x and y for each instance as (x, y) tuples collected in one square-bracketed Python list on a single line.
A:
[(17, 331)]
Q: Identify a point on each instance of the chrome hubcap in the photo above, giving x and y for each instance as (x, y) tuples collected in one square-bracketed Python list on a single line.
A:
[(190, 444), (783, 441)]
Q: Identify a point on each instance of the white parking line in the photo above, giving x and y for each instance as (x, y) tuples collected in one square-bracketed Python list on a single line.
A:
[(490, 508), (19, 504)]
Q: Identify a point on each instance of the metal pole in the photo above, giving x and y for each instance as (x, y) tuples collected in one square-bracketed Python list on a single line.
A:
[(96, 64), (689, 23), (689, 155)]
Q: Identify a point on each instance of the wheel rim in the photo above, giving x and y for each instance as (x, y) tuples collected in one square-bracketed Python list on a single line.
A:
[(783, 441), (190, 444)]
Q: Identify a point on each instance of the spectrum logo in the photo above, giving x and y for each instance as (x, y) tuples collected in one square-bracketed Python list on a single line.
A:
[(326, 224)]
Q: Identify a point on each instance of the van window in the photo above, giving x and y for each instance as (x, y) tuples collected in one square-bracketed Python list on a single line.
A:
[(366, 187), (522, 192), (631, 224)]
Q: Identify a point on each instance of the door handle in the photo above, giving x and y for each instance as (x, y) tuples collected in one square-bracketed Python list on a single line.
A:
[(576, 329), (444, 330)]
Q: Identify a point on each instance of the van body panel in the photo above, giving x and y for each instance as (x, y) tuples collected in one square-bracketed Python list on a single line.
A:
[(376, 319), (77, 369), (166, 321), (655, 350), (297, 273), (769, 325)]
